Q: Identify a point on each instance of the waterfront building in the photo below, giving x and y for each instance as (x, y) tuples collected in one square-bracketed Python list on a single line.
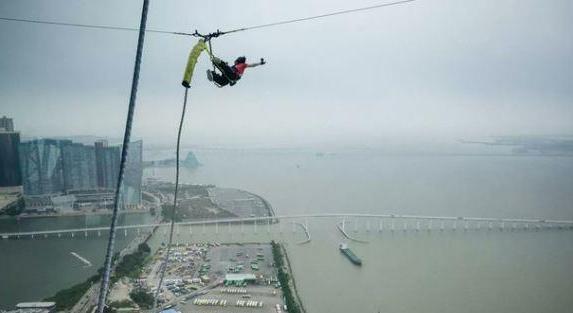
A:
[(93, 199), (107, 164), (63, 204), (35, 307), (9, 159), (86, 200), (6, 124), (38, 202), (57, 167), (42, 166), (133, 174), (79, 163), (240, 278), (107, 169)]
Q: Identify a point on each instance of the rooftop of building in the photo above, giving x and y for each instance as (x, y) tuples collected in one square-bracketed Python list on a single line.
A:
[(37, 305), (235, 277)]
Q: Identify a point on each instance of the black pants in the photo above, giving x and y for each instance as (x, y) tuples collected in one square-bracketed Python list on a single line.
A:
[(228, 73)]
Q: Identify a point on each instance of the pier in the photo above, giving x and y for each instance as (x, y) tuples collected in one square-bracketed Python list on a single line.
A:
[(84, 260)]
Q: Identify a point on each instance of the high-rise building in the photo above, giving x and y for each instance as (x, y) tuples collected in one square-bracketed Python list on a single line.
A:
[(79, 167), (42, 166), (60, 166), (133, 174), (6, 124), (9, 160), (107, 164)]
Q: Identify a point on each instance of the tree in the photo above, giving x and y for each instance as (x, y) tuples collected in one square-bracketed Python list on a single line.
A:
[(143, 298), (144, 247)]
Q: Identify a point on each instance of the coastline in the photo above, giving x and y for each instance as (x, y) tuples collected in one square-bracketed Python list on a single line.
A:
[(89, 297), (268, 206), (73, 214), (297, 296), (90, 286), (286, 279)]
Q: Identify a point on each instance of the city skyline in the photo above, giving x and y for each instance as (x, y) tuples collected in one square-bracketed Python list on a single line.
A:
[(53, 166), (60, 171)]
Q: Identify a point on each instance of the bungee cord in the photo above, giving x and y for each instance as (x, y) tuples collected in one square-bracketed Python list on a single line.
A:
[(165, 260)]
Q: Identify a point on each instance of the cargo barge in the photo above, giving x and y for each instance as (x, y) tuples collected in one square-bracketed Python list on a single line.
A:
[(349, 254)]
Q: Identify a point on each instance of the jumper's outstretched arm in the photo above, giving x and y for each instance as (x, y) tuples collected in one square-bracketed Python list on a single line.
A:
[(257, 64)]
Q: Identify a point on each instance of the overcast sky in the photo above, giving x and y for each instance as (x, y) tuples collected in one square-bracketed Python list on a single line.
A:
[(429, 69)]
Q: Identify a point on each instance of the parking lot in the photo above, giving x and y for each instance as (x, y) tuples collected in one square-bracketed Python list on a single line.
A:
[(263, 298), (259, 292), (247, 258)]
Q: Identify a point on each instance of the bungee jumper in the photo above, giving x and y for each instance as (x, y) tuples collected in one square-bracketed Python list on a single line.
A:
[(230, 74)]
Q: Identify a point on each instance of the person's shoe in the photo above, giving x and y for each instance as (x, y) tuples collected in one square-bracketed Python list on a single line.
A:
[(210, 75), (185, 84)]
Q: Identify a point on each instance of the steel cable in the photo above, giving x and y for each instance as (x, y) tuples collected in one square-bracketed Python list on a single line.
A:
[(296, 20), (135, 80)]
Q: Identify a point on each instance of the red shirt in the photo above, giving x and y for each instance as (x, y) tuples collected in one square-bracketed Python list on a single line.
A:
[(240, 68)]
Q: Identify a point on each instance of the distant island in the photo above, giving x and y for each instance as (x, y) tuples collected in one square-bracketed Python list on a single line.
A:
[(530, 145), (190, 162)]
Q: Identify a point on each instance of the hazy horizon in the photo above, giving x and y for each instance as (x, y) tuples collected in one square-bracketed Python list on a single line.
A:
[(430, 70)]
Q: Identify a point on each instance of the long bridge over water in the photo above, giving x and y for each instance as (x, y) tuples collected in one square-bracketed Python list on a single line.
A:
[(380, 222)]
